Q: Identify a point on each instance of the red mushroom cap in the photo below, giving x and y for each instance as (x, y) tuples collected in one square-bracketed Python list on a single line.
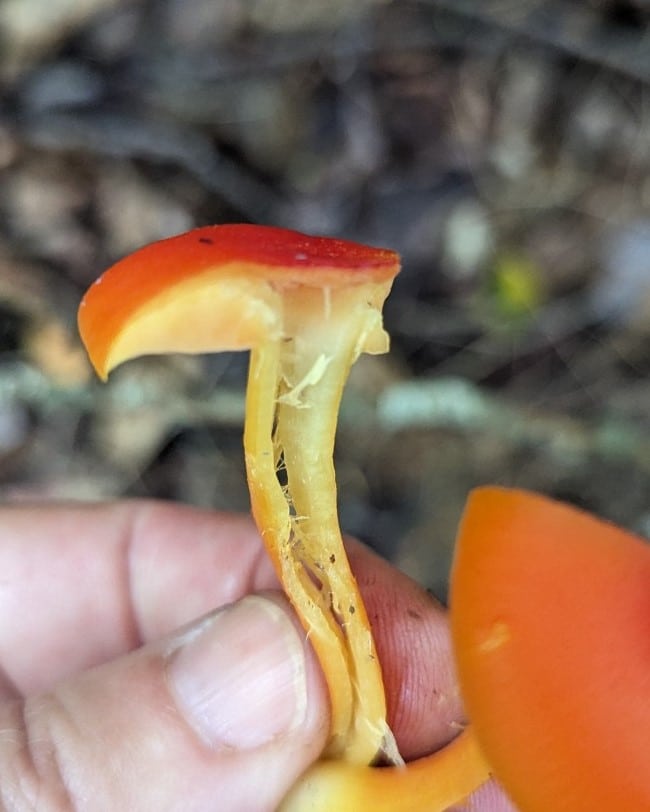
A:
[(184, 293), (550, 618)]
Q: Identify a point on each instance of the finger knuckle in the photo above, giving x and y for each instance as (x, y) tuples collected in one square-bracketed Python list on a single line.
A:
[(31, 774)]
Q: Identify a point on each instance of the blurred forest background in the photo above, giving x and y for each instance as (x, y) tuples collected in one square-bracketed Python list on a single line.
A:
[(502, 146)]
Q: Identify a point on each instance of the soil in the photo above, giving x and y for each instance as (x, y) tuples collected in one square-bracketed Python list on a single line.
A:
[(502, 149)]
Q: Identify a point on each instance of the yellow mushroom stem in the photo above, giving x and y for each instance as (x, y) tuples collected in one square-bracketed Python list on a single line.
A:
[(430, 784), (294, 391)]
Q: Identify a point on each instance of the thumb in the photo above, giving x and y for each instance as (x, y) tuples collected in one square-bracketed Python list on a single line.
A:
[(223, 716)]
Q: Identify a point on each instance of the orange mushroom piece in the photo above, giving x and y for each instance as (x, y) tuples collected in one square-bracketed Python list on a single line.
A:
[(306, 307), (550, 615)]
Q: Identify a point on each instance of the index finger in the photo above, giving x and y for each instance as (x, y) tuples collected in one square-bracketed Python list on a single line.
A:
[(82, 584)]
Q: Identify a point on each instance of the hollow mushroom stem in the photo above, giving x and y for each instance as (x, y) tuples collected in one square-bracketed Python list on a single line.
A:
[(293, 396)]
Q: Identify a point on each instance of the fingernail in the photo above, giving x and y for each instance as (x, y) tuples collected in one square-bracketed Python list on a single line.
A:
[(239, 677)]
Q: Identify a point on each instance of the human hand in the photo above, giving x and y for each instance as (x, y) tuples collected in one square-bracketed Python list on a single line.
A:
[(113, 696)]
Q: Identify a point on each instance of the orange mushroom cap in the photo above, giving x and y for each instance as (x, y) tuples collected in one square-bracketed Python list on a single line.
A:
[(214, 288), (550, 615)]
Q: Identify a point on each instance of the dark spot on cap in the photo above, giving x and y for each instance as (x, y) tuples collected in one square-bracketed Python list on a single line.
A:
[(206, 240)]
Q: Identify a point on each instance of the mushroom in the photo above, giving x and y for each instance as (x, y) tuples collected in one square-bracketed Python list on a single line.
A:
[(550, 614), (306, 307)]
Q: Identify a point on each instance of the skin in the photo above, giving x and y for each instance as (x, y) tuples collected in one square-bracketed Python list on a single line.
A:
[(94, 594)]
